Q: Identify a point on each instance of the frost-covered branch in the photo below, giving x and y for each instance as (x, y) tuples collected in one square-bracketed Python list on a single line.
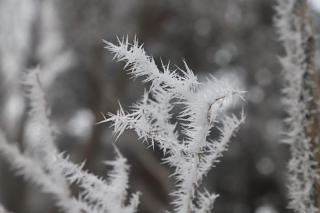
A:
[(189, 150), (138, 64), (32, 171), (301, 98), (43, 141), (42, 164), (106, 194)]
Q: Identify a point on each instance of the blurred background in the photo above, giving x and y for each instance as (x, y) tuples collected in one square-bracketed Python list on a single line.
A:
[(232, 39)]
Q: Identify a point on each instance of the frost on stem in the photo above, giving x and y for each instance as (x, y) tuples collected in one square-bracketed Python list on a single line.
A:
[(43, 165), (190, 151), (32, 171), (301, 98), (43, 143)]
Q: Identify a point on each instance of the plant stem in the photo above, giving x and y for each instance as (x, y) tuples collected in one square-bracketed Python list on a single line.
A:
[(310, 84)]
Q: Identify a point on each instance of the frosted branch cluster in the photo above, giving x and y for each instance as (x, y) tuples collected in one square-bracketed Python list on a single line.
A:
[(185, 138), (43, 165), (302, 172)]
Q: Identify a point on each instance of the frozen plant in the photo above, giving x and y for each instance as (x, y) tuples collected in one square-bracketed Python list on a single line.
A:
[(301, 98), (42, 164), (186, 144)]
